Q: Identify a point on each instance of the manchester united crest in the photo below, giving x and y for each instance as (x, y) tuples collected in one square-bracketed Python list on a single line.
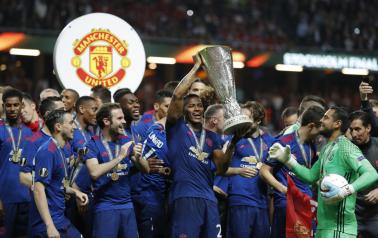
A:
[(99, 49)]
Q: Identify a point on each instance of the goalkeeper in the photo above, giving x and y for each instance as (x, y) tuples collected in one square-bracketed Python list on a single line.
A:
[(336, 206)]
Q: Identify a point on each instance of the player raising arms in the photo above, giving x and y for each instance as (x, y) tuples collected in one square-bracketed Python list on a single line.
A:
[(195, 155)]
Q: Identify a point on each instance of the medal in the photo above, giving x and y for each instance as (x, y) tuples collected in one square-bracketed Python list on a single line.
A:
[(199, 144), (16, 151), (66, 183), (16, 156), (114, 176)]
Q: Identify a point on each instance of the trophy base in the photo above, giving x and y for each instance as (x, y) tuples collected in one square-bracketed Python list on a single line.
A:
[(235, 123)]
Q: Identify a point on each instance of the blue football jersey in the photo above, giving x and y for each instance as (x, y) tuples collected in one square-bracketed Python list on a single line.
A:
[(249, 191), (192, 176), (307, 158), (109, 194), (152, 187), (11, 190), (50, 170)]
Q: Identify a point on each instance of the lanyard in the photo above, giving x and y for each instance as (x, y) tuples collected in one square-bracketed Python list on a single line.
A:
[(62, 157), (77, 124), (303, 151), (258, 155), (10, 132), (199, 144), (107, 148)]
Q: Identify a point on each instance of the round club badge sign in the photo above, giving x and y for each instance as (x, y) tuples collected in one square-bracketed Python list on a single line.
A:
[(99, 49)]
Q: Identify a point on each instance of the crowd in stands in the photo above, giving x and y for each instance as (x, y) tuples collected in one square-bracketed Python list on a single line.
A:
[(253, 25)]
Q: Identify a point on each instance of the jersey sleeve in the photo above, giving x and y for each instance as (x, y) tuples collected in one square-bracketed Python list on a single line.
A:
[(28, 154), (354, 158), (93, 151), (307, 175), (44, 165)]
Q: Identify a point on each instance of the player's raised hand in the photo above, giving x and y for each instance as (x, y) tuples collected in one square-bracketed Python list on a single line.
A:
[(124, 152), (137, 152), (280, 153), (365, 89)]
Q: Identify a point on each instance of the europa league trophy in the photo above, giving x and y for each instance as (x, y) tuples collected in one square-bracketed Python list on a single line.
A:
[(218, 64)]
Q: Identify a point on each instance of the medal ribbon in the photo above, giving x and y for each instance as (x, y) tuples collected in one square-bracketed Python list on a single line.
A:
[(260, 155), (108, 150), (10, 132), (199, 144), (62, 158), (303, 151)]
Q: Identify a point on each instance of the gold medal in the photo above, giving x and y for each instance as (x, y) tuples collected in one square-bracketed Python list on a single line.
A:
[(119, 167), (16, 156), (66, 183), (115, 176)]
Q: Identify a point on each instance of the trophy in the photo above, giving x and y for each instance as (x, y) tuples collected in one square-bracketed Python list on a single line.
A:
[(217, 61)]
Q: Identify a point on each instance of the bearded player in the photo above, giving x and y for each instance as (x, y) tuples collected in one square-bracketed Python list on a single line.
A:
[(336, 206)]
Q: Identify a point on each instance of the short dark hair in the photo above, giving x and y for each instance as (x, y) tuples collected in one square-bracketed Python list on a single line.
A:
[(313, 114), (105, 112), (102, 92), (74, 92), (342, 115), (289, 111), (120, 93), (171, 85), (54, 117), (48, 105), (257, 110), (361, 115), (161, 94), (11, 93), (82, 100), (190, 96), (311, 98), (26, 96)]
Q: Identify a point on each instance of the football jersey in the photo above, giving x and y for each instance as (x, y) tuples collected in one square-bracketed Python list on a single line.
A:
[(305, 154), (109, 194), (193, 176), (249, 191), (50, 170), (152, 187), (11, 190)]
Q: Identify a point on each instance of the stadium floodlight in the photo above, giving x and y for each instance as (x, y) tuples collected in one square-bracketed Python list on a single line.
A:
[(352, 71), (161, 60), (238, 65), (24, 52), (289, 68)]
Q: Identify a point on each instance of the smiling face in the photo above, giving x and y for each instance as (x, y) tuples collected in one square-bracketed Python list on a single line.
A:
[(12, 107), (27, 111), (117, 121), (88, 110), (328, 123), (130, 107), (69, 100), (67, 127), (161, 108), (194, 110)]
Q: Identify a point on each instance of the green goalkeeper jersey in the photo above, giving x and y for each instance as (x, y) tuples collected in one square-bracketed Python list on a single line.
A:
[(344, 158)]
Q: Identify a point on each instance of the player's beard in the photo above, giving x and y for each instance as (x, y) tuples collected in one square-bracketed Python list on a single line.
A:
[(326, 132)]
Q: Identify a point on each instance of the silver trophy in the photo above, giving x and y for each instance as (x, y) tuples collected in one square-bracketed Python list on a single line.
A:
[(218, 64)]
